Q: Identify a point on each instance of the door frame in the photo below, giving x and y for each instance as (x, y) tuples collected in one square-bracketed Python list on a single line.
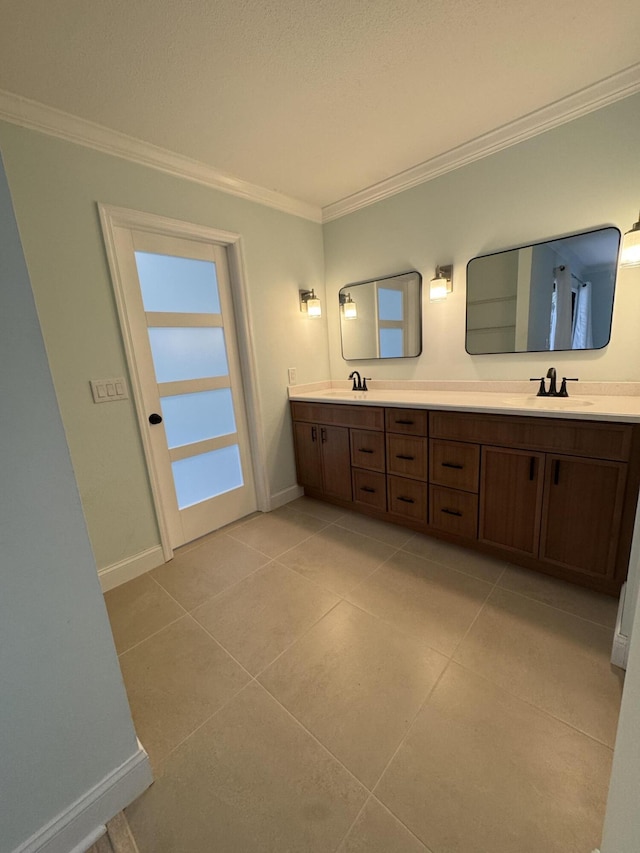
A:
[(120, 217)]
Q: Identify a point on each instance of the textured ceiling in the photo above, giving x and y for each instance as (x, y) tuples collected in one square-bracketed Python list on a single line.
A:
[(316, 99)]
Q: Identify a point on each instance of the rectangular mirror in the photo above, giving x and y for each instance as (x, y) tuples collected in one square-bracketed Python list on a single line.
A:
[(556, 295), (382, 318)]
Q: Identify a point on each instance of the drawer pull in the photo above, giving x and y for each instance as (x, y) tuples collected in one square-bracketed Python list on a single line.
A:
[(323, 434), (406, 500), (404, 456), (405, 423), (314, 433), (452, 465), (365, 450), (367, 489), (452, 512)]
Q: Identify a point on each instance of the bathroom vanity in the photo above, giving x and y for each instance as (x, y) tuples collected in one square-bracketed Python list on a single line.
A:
[(552, 490)]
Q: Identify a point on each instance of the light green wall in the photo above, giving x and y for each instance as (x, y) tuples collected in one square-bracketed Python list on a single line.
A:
[(576, 177), (66, 725), (55, 187)]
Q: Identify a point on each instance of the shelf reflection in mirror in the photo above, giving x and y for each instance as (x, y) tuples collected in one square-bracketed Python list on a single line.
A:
[(388, 321), (555, 295)]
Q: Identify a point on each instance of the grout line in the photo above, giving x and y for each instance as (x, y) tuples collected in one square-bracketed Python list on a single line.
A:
[(494, 586), (409, 729), (353, 823), (557, 609), (219, 644), (531, 704), (409, 830), (154, 634)]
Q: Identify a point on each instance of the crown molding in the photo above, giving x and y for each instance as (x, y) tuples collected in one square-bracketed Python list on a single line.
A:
[(587, 100), (36, 116)]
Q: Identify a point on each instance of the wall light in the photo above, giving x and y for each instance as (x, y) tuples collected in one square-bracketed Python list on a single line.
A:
[(441, 284), (630, 254), (310, 304), (348, 306)]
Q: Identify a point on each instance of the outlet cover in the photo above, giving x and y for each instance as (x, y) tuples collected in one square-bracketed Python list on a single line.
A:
[(293, 376)]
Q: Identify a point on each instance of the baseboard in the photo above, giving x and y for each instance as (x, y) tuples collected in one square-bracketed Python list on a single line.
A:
[(285, 496), (620, 648), (83, 822), (130, 568)]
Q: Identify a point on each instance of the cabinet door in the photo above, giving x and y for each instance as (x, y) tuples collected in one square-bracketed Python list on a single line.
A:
[(582, 513), (511, 498), (308, 459), (336, 461)]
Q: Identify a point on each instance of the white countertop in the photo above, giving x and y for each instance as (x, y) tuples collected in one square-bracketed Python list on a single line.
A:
[(580, 405)]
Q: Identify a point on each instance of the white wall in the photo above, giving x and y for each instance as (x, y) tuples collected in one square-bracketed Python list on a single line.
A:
[(64, 720), (576, 177)]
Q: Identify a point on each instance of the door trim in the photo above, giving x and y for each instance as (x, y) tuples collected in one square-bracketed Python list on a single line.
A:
[(119, 217)]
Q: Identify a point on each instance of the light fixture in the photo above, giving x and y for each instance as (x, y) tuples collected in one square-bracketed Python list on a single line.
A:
[(630, 254), (441, 284), (310, 304), (348, 306)]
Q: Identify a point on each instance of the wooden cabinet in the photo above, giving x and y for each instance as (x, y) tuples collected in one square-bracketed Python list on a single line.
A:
[(323, 459), (551, 494), (511, 498), (582, 512)]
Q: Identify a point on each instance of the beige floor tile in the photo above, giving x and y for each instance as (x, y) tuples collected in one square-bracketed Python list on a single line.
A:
[(593, 606), (554, 660), (318, 509), (175, 681), (392, 534), (138, 609), (198, 574), (356, 685), (483, 772), (275, 532), (337, 558), (377, 831), (249, 781), (259, 617), (463, 559), (424, 599)]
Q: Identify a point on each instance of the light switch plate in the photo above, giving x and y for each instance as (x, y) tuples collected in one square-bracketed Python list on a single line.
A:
[(109, 390)]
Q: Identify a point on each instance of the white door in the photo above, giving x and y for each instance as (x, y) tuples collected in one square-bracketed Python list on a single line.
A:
[(179, 317)]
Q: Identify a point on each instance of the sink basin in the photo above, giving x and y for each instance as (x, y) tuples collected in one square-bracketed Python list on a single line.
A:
[(531, 401)]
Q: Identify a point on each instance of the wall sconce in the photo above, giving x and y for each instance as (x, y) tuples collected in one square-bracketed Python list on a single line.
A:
[(348, 306), (310, 304), (441, 284), (630, 254)]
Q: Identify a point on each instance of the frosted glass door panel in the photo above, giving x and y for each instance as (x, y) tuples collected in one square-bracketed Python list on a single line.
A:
[(389, 304), (391, 343), (189, 418), (177, 285), (199, 478), (188, 353)]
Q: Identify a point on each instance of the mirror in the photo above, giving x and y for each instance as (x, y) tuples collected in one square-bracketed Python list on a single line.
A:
[(556, 295), (382, 318)]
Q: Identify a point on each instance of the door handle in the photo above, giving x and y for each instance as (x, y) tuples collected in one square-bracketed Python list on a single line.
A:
[(314, 434), (323, 434), (155, 418)]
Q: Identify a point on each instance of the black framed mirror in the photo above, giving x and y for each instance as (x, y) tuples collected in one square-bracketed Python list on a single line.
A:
[(547, 296), (382, 318)]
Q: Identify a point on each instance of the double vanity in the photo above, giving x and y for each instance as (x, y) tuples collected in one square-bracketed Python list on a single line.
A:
[(548, 483)]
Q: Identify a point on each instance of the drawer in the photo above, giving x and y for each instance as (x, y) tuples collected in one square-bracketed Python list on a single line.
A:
[(407, 498), (454, 464), (406, 421), (366, 417), (407, 456), (453, 511), (370, 488), (367, 449), (577, 437)]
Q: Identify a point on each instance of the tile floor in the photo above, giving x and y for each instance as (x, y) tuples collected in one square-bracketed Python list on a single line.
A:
[(316, 681)]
